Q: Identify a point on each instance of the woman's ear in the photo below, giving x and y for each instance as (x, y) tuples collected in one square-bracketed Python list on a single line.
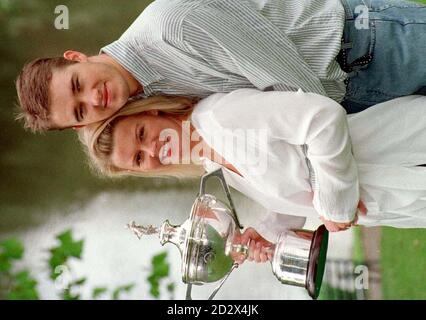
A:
[(75, 56)]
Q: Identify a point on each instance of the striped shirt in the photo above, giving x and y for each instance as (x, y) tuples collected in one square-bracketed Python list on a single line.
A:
[(199, 47)]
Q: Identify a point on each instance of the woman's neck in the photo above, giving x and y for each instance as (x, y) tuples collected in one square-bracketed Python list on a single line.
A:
[(215, 157), (200, 149)]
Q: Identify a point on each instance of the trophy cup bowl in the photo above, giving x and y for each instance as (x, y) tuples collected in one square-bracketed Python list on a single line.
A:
[(207, 246)]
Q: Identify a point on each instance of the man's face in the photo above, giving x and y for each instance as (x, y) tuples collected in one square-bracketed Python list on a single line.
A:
[(86, 92)]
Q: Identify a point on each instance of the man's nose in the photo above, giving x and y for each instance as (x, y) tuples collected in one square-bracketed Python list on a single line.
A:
[(94, 98)]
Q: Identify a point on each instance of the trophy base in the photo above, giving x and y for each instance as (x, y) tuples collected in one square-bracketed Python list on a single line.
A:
[(317, 259), (299, 259)]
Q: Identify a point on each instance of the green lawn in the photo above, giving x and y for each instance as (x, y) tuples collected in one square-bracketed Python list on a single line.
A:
[(403, 263)]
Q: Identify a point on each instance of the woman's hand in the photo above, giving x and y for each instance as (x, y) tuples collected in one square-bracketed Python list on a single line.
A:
[(341, 226), (335, 226), (260, 249)]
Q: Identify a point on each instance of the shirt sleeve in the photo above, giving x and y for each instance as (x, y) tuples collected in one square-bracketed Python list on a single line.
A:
[(303, 119), (275, 224), (249, 45)]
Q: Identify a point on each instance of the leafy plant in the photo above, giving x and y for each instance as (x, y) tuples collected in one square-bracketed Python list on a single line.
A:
[(98, 291), (60, 255), (21, 285), (160, 271), (116, 293)]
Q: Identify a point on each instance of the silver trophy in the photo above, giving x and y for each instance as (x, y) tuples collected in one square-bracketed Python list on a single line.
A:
[(206, 241)]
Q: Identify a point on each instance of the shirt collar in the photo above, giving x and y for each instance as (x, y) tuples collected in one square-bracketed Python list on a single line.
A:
[(131, 59)]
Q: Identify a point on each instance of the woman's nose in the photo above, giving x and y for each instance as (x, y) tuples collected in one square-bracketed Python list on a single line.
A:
[(150, 148)]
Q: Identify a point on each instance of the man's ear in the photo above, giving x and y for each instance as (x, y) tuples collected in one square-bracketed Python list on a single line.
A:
[(75, 56), (152, 112)]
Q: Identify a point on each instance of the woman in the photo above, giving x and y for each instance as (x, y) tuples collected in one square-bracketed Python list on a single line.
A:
[(291, 152)]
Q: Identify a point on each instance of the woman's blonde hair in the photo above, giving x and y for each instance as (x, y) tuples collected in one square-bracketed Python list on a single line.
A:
[(98, 143)]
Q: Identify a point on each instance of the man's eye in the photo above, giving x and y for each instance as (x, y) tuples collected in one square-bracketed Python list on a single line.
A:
[(77, 83), (141, 133), (81, 112)]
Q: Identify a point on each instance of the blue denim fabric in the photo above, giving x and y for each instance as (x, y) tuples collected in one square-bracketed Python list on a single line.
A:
[(392, 51)]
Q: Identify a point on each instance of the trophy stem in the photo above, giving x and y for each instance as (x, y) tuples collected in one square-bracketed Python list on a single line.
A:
[(173, 234)]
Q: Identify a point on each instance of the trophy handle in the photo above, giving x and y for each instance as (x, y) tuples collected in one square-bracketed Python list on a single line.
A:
[(212, 295), (219, 174)]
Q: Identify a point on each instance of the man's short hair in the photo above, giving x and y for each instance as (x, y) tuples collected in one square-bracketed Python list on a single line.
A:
[(32, 86)]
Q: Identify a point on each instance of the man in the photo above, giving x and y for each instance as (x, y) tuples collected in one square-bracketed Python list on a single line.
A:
[(197, 47)]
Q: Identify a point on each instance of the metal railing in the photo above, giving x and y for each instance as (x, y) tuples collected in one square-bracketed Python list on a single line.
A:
[(349, 280)]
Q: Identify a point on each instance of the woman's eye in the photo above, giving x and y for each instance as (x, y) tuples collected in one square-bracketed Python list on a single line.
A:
[(77, 83), (139, 158)]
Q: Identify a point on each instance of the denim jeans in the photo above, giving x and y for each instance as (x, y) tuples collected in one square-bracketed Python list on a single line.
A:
[(384, 51)]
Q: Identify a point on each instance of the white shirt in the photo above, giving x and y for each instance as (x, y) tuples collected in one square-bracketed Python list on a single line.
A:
[(388, 143), (278, 131)]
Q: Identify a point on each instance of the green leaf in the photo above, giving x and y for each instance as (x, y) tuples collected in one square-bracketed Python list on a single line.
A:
[(12, 248), (155, 290), (67, 295), (160, 270), (171, 287), (98, 292), (28, 294), (70, 247), (159, 258), (23, 287), (153, 279), (79, 282), (65, 236), (57, 258), (5, 264), (67, 248), (126, 288), (24, 278), (160, 267)]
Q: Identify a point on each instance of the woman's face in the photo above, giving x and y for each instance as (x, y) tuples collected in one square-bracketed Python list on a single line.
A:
[(146, 141)]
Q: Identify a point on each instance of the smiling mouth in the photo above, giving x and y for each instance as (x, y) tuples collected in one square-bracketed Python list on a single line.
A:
[(165, 152)]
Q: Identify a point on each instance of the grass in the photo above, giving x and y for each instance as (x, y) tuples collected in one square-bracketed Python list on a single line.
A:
[(358, 256), (330, 293), (403, 263), (403, 260)]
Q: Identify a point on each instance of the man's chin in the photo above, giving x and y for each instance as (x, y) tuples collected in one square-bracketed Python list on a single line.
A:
[(120, 104)]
